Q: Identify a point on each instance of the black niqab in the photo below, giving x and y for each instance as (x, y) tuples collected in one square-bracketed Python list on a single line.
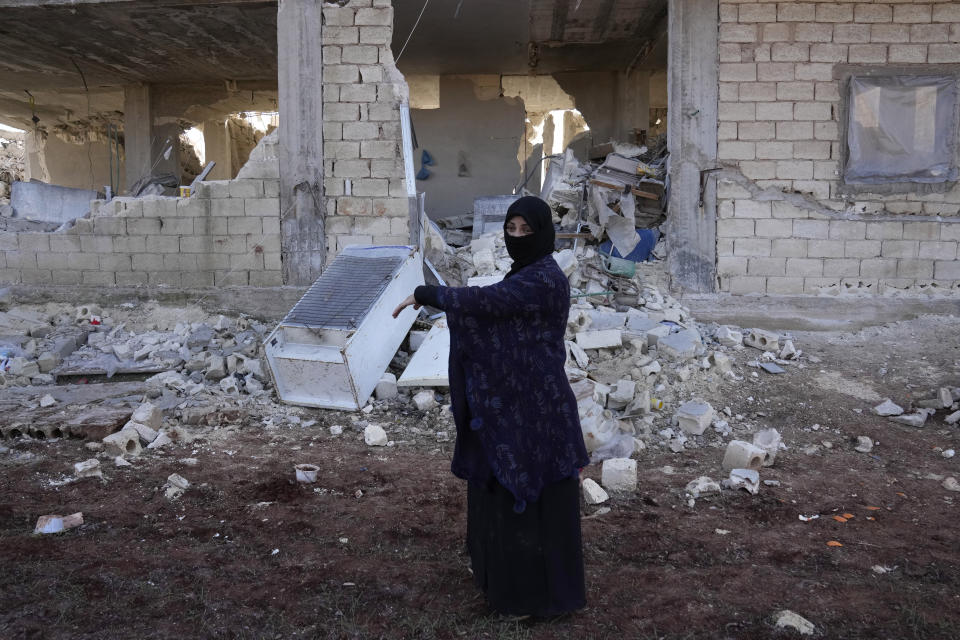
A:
[(528, 249)]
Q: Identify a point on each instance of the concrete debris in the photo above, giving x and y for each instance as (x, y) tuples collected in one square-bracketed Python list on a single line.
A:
[(864, 444), (120, 461), (695, 416), (600, 339), (763, 340), (887, 408), (770, 367), (161, 440), (147, 434), (743, 455), (953, 418), (728, 337), (336, 430), (916, 419), (701, 486), (747, 479), (593, 493), (386, 389), (768, 440), (789, 352), (149, 415), (425, 400), (123, 443), (681, 345), (47, 401), (175, 486), (789, 620), (950, 484), (88, 469), (619, 474), (375, 436), (58, 524), (948, 453)]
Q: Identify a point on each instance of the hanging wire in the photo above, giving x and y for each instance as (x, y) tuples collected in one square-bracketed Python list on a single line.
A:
[(403, 48)]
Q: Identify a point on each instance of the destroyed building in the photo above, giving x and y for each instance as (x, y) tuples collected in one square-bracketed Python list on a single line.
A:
[(812, 145)]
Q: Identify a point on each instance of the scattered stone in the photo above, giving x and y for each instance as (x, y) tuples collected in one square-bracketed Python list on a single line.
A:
[(768, 440), (951, 484), (416, 339), (176, 485), (949, 453), (722, 362), (593, 493), (916, 419), (694, 417), (216, 368), (375, 436), (47, 362), (887, 408), (161, 440), (619, 474), (864, 444), (386, 389), (728, 337), (336, 430), (702, 485), (229, 386), (123, 443), (621, 394), (149, 415), (600, 339), (47, 401), (57, 524), (147, 435), (94, 446), (88, 469), (763, 340), (748, 479), (120, 461), (790, 620), (743, 455), (681, 345), (425, 400), (770, 367), (945, 397), (953, 418), (788, 352)]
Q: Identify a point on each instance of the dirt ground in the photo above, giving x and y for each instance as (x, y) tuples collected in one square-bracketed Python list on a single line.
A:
[(375, 549)]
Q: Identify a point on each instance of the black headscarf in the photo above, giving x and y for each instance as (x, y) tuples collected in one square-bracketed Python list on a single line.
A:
[(528, 249)]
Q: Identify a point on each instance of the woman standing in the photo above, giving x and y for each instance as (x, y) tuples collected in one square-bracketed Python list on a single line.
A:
[(519, 443)]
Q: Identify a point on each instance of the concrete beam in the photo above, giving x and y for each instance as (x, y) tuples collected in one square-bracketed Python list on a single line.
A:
[(300, 87), (692, 141)]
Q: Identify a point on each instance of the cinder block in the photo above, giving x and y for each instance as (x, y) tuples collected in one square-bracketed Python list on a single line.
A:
[(813, 32), (795, 11), (213, 261), (861, 248), (376, 35), (751, 209), (745, 285), (147, 262), (180, 262), (226, 208), (391, 240), (248, 261), (828, 53), (338, 16), (361, 131), (913, 13), (733, 32), (53, 261), (730, 52), (900, 248), (756, 131), (772, 228), (950, 230), (359, 92), (100, 278), (728, 266), (921, 231), (789, 247), (115, 262), (947, 270), (738, 72), (129, 244), (272, 261), (814, 71), (851, 33), (795, 169), (868, 53), (812, 110), (262, 207), (109, 226), (847, 230), (196, 279), (804, 267), (94, 244), (159, 207), (334, 34), (246, 188), (272, 278), (784, 286), (82, 261), (887, 34), (60, 243), (240, 226), (737, 111), (619, 474), (843, 267), (929, 33), (143, 226), (885, 231), (68, 276), (878, 268), (911, 268), (373, 73), (387, 169), (830, 12), (751, 247), (825, 248), (790, 52), (166, 278), (735, 228), (346, 241), (735, 150), (33, 242), (176, 226), (767, 267), (132, 278), (794, 130), (163, 244), (263, 243)]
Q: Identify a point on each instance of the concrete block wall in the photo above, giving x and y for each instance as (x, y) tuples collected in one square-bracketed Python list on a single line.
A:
[(782, 226), (366, 197), (226, 234)]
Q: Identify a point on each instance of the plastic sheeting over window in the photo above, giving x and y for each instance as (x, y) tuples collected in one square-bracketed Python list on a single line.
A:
[(902, 129)]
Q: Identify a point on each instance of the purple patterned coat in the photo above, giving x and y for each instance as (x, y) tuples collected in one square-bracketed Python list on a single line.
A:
[(515, 413)]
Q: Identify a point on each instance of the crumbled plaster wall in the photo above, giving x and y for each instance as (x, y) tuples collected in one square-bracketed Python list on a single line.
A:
[(366, 194), (783, 227), (12, 154)]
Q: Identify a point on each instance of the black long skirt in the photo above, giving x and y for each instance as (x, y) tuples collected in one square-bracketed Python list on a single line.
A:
[(528, 563)]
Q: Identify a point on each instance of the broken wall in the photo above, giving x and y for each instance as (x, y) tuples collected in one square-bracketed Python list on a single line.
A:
[(473, 138), (364, 174), (67, 164), (785, 225)]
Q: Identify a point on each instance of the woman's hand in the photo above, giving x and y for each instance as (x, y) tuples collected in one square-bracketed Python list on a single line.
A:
[(410, 300)]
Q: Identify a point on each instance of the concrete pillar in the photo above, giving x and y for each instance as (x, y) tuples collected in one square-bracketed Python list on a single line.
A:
[(138, 131), (35, 157), (300, 88), (216, 144), (633, 104), (692, 141)]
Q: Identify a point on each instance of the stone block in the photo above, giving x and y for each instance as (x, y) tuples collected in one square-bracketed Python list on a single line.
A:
[(694, 417), (600, 339), (762, 339), (386, 388), (743, 455), (123, 443), (592, 492), (619, 474)]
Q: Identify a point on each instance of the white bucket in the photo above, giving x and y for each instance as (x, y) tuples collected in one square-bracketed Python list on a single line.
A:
[(307, 472)]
